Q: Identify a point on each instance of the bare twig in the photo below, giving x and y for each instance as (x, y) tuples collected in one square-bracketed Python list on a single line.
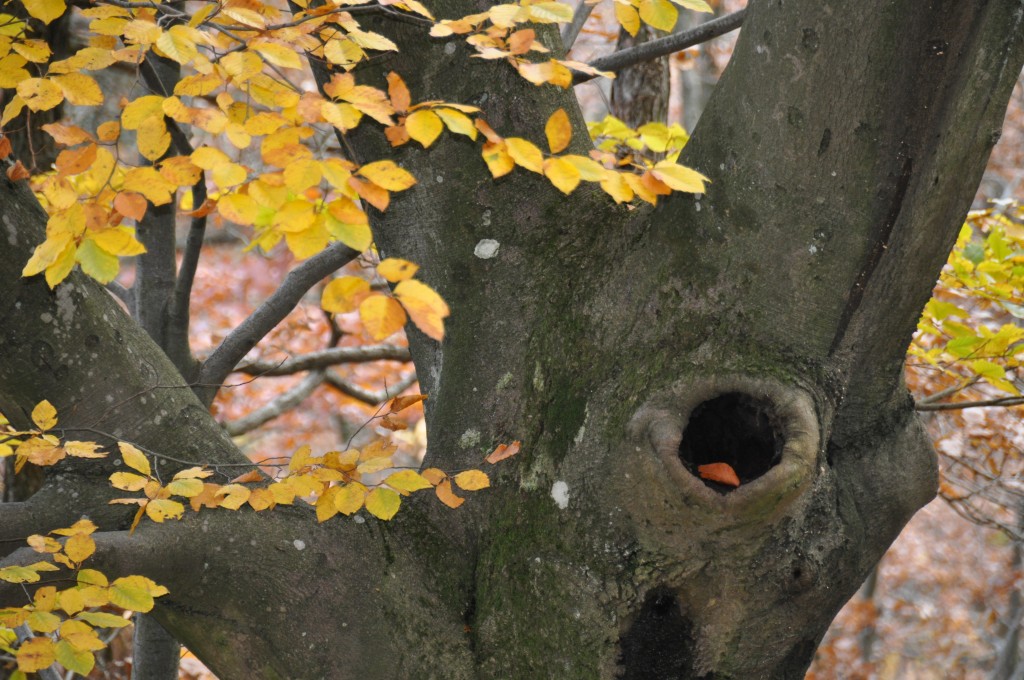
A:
[(325, 358), (942, 394), (667, 45), (269, 314), (366, 396), (276, 407), (957, 406)]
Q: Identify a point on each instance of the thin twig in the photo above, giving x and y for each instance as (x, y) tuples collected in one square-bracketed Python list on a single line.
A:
[(277, 406), (366, 396), (579, 17), (957, 406), (325, 358)]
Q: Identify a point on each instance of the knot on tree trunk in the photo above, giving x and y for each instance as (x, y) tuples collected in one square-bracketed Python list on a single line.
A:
[(764, 431)]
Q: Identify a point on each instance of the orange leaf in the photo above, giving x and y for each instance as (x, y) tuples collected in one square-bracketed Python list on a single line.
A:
[(447, 496), (17, 172), (5, 147), (249, 477), (503, 451), (719, 472), (398, 93), (558, 131), (401, 403), (130, 204)]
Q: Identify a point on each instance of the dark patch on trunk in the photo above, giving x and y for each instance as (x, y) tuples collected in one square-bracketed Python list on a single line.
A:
[(659, 644), (737, 429)]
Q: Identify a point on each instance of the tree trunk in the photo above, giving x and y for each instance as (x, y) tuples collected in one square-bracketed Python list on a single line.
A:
[(763, 324)]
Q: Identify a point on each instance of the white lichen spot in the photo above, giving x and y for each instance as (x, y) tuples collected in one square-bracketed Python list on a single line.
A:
[(12, 232), (439, 179), (449, 48), (299, 544), (485, 219), (560, 494), (486, 248), (65, 304), (538, 377), (358, 519), (469, 439), (46, 317), (812, 250)]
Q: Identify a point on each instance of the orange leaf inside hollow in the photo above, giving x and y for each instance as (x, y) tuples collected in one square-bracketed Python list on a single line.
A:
[(719, 472)]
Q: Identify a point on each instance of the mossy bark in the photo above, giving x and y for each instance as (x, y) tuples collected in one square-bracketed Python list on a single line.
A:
[(843, 143)]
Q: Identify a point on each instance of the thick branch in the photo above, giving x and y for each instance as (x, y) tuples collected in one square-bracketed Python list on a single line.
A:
[(295, 285), (667, 45), (324, 359)]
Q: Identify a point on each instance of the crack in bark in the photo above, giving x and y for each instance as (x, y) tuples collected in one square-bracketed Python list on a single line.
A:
[(880, 240)]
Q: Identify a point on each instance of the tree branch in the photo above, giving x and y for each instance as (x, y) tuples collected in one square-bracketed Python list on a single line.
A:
[(276, 407), (957, 406), (667, 45), (572, 30), (366, 396), (178, 314), (238, 343), (324, 359)]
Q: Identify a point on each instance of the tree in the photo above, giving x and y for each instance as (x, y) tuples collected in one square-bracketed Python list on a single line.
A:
[(763, 324)]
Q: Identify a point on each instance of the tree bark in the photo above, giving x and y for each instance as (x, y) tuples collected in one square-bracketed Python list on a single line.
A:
[(763, 324)]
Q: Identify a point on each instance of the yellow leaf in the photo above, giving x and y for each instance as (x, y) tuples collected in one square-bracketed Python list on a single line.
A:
[(247, 17), (43, 621), (128, 481), (550, 12), (589, 169), (302, 174), (387, 175), (135, 593), (186, 488), (40, 94), (350, 498), (525, 154), (407, 480), (348, 224), (382, 316), (35, 654), (45, 10), (79, 547), (558, 131), (425, 307), (383, 503), (472, 480), (679, 178), (457, 122), (424, 126), (344, 294), (277, 54), (69, 135), (134, 458), (627, 16), (178, 44), (141, 110), (695, 5), (562, 173), (44, 415), (36, 51), (546, 72), (153, 139), (499, 162), (162, 508), (148, 182), (72, 601), (660, 14), (80, 661), (96, 262), (394, 269)]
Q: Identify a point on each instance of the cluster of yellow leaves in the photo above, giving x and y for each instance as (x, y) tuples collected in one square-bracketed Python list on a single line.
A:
[(382, 314), (622, 179), (337, 482), (649, 142), (659, 14), (967, 328), (64, 622), (40, 446), (494, 35)]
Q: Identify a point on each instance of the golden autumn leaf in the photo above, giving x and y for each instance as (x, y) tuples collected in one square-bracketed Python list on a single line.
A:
[(457, 122), (36, 654), (394, 269), (381, 315), (349, 498), (425, 307), (40, 94), (627, 17), (525, 154), (424, 126), (134, 458), (719, 472), (562, 173), (498, 160), (679, 178), (407, 481), (344, 294), (398, 93), (44, 415), (45, 10), (558, 131), (383, 503), (660, 14), (472, 480), (387, 175)]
